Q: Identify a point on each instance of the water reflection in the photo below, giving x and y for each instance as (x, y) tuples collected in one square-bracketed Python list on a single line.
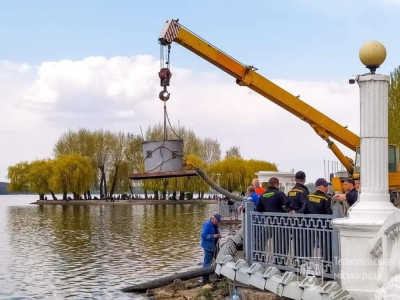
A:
[(90, 251)]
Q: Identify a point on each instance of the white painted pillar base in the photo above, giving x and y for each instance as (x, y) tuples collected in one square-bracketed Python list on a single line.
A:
[(358, 267)]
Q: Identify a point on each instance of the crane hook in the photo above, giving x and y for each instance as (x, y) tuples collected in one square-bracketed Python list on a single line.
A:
[(164, 95)]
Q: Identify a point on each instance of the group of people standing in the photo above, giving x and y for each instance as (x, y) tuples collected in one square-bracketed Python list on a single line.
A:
[(272, 199), (299, 199)]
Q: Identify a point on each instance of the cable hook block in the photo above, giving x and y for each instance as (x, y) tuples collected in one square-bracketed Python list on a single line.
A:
[(164, 95), (165, 75)]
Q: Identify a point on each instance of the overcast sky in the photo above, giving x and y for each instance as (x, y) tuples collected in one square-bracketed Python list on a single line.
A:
[(94, 64)]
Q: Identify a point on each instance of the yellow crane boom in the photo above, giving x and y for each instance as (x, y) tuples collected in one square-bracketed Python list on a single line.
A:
[(247, 76)]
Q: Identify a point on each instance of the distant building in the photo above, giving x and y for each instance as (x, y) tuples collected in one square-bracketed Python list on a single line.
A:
[(286, 179)]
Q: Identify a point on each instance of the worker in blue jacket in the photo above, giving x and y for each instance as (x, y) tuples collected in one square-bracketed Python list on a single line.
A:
[(209, 236)]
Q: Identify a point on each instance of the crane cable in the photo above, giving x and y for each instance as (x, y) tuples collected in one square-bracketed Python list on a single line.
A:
[(165, 76)]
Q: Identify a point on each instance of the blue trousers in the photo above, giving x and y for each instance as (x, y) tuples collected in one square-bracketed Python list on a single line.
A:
[(208, 257)]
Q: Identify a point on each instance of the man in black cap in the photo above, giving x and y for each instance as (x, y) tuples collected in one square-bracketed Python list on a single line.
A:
[(318, 202), (297, 196)]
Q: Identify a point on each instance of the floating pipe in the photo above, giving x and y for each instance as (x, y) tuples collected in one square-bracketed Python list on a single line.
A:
[(216, 186)]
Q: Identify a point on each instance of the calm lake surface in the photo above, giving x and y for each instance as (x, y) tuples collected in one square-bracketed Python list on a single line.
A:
[(91, 252)]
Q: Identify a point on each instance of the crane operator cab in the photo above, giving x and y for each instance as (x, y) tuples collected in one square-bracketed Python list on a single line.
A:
[(393, 168)]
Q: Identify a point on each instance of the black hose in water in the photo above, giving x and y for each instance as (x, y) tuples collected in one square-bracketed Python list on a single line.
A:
[(216, 186), (143, 287)]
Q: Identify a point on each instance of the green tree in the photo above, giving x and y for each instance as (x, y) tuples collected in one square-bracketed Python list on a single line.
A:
[(233, 152), (394, 107), (39, 176), (237, 173), (18, 176), (72, 173)]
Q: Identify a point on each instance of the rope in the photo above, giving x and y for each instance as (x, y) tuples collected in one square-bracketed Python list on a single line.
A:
[(344, 206)]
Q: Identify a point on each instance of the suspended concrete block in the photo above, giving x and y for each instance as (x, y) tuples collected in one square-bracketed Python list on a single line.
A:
[(163, 156)]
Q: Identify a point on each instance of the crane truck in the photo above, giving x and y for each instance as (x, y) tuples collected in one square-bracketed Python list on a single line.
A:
[(248, 76)]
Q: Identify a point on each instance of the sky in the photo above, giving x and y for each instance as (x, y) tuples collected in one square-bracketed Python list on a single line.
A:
[(94, 64)]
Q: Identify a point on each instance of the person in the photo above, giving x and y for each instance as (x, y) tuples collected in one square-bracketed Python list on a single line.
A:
[(257, 188), (209, 235), (318, 202), (351, 193), (251, 196), (357, 184), (298, 194), (272, 200), (231, 207)]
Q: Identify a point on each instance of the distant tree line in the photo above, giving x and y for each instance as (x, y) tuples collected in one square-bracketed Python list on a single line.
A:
[(85, 160), (394, 107)]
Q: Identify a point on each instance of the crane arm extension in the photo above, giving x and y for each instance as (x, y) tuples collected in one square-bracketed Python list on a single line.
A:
[(247, 76), (347, 162)]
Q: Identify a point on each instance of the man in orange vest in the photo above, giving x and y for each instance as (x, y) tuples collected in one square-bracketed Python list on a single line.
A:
[(257, 188)]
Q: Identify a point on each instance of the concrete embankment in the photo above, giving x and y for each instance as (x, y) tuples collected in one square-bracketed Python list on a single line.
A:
[(122, 202)]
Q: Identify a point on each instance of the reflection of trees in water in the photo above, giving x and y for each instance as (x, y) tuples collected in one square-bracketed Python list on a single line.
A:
[(173, 229), (93, 240)]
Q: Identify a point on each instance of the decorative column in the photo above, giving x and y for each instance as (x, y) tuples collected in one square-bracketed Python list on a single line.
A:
[(358, 267)]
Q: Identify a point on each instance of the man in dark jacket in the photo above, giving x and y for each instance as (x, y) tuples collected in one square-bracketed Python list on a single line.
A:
[(209, 236), (272, 200), (297, 196), (318, 202), (351, 194)]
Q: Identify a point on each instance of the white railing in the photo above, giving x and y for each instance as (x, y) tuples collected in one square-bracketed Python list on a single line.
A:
[(386, 247)]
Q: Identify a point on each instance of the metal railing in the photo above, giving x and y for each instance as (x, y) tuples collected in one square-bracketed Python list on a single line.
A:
[(229, 211), (306, 244)]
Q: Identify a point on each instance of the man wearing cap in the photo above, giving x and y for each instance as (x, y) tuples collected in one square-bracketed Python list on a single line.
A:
[(209, 236), (318, 202), (297, 196)]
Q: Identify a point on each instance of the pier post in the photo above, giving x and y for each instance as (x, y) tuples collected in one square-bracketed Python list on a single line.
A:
[(358, 269)]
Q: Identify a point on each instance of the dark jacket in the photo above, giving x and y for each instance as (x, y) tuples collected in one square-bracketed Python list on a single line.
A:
[(207, 235), (297, 196), (352, 197), (272, 200), (317, 203)]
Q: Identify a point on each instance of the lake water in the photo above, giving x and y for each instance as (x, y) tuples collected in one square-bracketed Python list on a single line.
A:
[(91, 252)]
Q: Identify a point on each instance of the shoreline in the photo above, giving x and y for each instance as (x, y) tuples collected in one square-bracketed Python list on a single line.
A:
[(123, 202)]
